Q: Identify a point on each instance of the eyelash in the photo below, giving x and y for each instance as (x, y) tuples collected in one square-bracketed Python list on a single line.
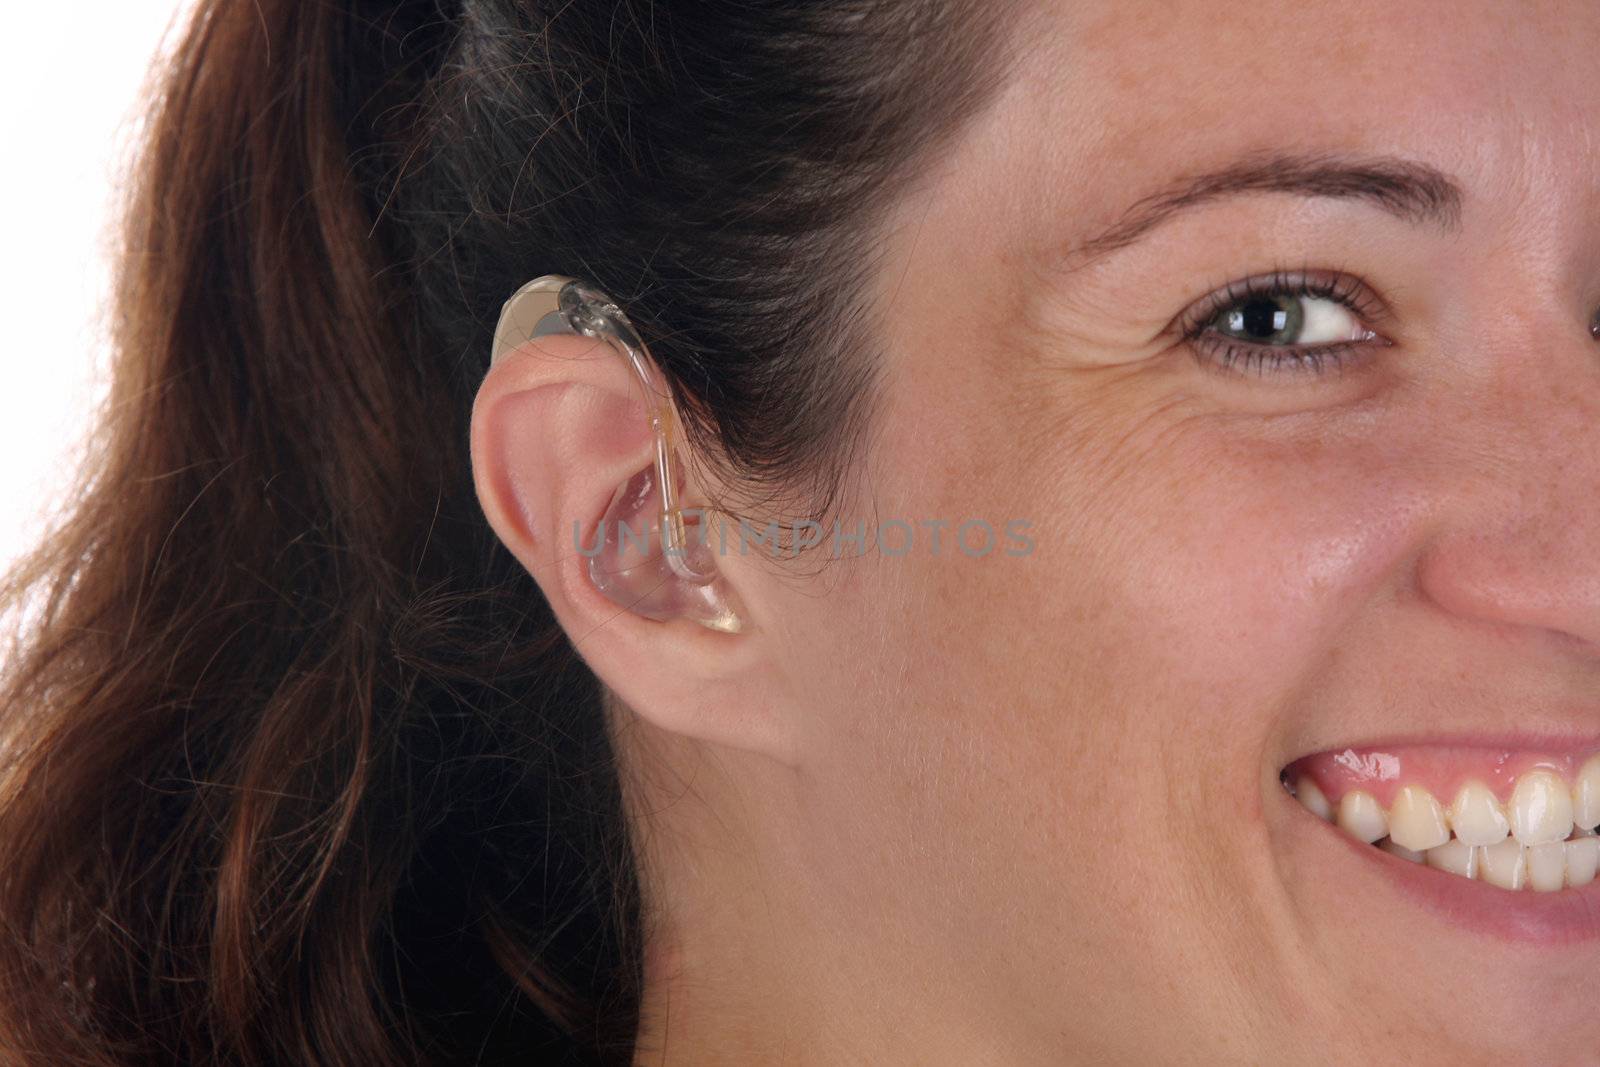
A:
[(1233, 356)]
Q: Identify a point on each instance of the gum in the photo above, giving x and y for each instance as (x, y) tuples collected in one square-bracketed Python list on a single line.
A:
[(1440, 769)]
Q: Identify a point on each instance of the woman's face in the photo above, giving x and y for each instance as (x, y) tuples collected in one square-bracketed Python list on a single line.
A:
[(1358, 510)]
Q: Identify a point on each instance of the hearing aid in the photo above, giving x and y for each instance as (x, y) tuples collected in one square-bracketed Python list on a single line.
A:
[(649, 555)]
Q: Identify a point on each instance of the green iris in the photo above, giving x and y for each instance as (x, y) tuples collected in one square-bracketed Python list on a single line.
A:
[(1264, 320)]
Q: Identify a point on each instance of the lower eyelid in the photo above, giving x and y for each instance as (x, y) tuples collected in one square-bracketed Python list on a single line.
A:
[(1238, 359)]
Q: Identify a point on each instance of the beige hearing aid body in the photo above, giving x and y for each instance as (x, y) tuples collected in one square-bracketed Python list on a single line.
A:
[(646, 555)]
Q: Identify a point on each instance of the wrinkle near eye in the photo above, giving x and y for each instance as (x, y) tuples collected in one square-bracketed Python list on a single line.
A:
[(1123, 307)]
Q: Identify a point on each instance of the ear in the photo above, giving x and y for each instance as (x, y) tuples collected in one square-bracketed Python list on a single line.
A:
[(557, 426)]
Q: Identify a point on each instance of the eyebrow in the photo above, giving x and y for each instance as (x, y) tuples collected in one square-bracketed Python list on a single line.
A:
[(1413, 192)]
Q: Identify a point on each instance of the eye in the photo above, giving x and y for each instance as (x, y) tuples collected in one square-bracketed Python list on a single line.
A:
[(1285, 319), (1284, 323)]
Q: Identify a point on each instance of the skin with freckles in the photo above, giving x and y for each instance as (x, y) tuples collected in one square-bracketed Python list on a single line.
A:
[(1025, 809)]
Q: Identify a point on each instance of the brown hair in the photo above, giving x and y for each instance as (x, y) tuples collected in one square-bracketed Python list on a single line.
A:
[(298, 768)]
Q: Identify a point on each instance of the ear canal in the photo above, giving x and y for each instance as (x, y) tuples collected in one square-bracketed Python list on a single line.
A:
[(635, 562)]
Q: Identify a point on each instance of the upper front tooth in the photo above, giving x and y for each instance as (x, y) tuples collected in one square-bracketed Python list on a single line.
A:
[(1361, 816), (1586, 795), (1416, 821), (1541, 808), (1476, 816)]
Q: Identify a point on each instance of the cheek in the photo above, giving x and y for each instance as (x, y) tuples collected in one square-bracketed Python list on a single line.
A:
[(1025, 726), (1239, 566), (1190, 586), (1184, 588)]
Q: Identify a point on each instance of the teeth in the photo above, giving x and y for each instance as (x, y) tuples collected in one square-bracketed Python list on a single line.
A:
[(1504, 865), (1455, 857), (1388, 845), (1362, 817), (1541, 809), (1312, 798), (1547, 866), (1476, 816), (1537, 840), (1586, 795), (1583, 855), (1416, 821)]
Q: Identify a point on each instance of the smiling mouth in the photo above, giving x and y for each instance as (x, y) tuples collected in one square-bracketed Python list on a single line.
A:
[(1514, 819)]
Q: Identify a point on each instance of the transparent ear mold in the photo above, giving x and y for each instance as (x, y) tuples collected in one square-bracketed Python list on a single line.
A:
[(649, 555)]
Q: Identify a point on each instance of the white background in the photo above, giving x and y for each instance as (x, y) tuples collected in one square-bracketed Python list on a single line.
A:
[(67, 91)]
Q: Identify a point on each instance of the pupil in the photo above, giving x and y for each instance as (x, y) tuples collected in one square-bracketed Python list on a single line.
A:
[(1273, 320), (1263, 318)]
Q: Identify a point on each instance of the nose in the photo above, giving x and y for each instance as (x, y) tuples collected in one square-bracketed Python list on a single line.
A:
[(1519, 544)]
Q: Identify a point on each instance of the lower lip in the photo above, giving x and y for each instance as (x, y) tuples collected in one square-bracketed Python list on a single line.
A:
[(1566, 917)]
